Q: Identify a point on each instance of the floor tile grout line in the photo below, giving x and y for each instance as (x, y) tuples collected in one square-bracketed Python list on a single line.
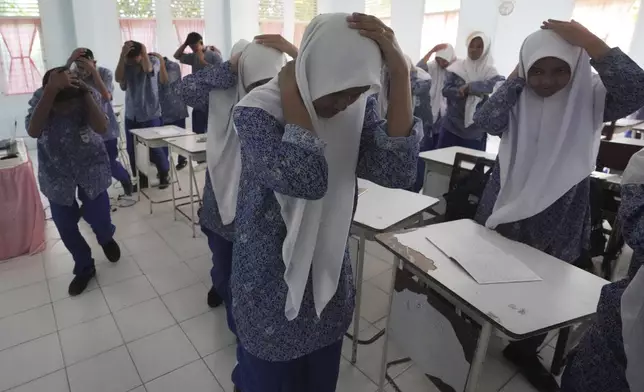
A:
[(60, 342), (123, 340), (186, 335)]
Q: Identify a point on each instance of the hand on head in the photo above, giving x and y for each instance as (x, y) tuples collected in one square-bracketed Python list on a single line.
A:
[(439, 47), (277, 42), (372, 27), (573, 32), (60, 79), (76, 54), (128, 46)]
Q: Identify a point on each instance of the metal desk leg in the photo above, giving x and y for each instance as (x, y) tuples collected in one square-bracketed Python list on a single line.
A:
[(174, 201), (560, 351), (192, 204), (356, 314), (479, 357), (383, 360), (135, 172)]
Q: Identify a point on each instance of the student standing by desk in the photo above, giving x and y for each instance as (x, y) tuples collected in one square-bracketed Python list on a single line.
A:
[(138, 75), (200, 58), (539, 191), (610, 356)]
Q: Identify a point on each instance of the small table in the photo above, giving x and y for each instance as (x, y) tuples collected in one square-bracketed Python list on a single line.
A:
[(154, 138), (379, 209), (517, 310), (22, 220), (193, 147)]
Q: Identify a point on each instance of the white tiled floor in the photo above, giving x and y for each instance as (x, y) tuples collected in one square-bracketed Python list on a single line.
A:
[(144, 324)]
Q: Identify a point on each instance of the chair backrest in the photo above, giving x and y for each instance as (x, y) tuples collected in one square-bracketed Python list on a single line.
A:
[(615, 154), (467, 183)]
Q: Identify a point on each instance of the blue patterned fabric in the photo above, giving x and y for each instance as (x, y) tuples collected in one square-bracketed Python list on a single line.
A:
[(598, 363), (563, 229), (113, 130), (454, 119), (70, 155), (291, 161), (142, 92), (211, 57), (422, 103), (195, 88), (173, 108)]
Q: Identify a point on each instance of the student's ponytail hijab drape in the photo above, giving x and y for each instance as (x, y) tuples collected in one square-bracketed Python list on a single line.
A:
[(474, 71), (632, 304), (332, 58), (256, 63)]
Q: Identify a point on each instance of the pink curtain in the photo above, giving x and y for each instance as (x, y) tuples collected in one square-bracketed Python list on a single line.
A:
[(439, 27), (611, 20), (271, 27), (141, 30), (183, 27), (18, 36)]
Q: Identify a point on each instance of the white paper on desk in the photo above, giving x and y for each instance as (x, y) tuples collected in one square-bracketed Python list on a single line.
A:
[(166, 132), (485, 262)]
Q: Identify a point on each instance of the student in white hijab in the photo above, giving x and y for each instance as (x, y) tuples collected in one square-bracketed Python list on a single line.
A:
[(549, 114), (305, 136), (250, 65), (437, 70), (610, 356), (468, 83)]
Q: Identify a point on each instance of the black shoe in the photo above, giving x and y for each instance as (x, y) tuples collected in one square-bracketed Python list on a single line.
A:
[(79, 283), (214, 299), (112, 251), (182, 163), (143, 181), (128, 188), (532, 369), (164, 180)]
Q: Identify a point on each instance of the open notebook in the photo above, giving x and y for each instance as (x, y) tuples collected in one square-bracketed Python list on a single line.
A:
[(485, 262)]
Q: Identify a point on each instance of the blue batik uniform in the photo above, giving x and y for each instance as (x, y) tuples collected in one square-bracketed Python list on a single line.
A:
[(195, 91), (453, 131), (72, 158), (200, 115), (143, 109), (269, 340), (563, 229), (174, 111), (422, 110)]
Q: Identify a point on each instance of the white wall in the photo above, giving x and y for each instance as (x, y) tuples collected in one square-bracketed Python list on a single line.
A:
[(348, 6), (407, 21)]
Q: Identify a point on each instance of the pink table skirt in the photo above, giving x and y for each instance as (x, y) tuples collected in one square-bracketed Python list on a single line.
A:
[(22, 218)]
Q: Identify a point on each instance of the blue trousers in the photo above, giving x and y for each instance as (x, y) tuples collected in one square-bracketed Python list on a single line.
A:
[(97, 213), (448, 139), (118, 171), (222, 260), (315, 372), (158, 156), (199, 121)]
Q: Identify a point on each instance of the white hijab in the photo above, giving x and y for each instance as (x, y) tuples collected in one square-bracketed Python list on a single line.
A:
[(551, 143), (632, 304), (256, 63), (332, 58), (438, 75), (474, 71)]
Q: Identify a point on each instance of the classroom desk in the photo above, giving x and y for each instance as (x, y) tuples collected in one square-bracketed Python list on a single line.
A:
[(193, 147), (154, 138), (517, 310), (379, 209)]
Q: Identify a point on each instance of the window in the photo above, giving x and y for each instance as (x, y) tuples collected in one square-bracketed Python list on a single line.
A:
[(380, 9), (305, 10), (440, 24), (271, 16), (611, 20), (138, 23), (187, 16), (21, 56)]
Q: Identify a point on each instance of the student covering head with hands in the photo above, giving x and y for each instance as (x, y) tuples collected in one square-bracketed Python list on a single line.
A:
[(304, 137)]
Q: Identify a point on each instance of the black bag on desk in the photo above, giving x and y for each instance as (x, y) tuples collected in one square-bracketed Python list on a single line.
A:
[(466, 186)]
